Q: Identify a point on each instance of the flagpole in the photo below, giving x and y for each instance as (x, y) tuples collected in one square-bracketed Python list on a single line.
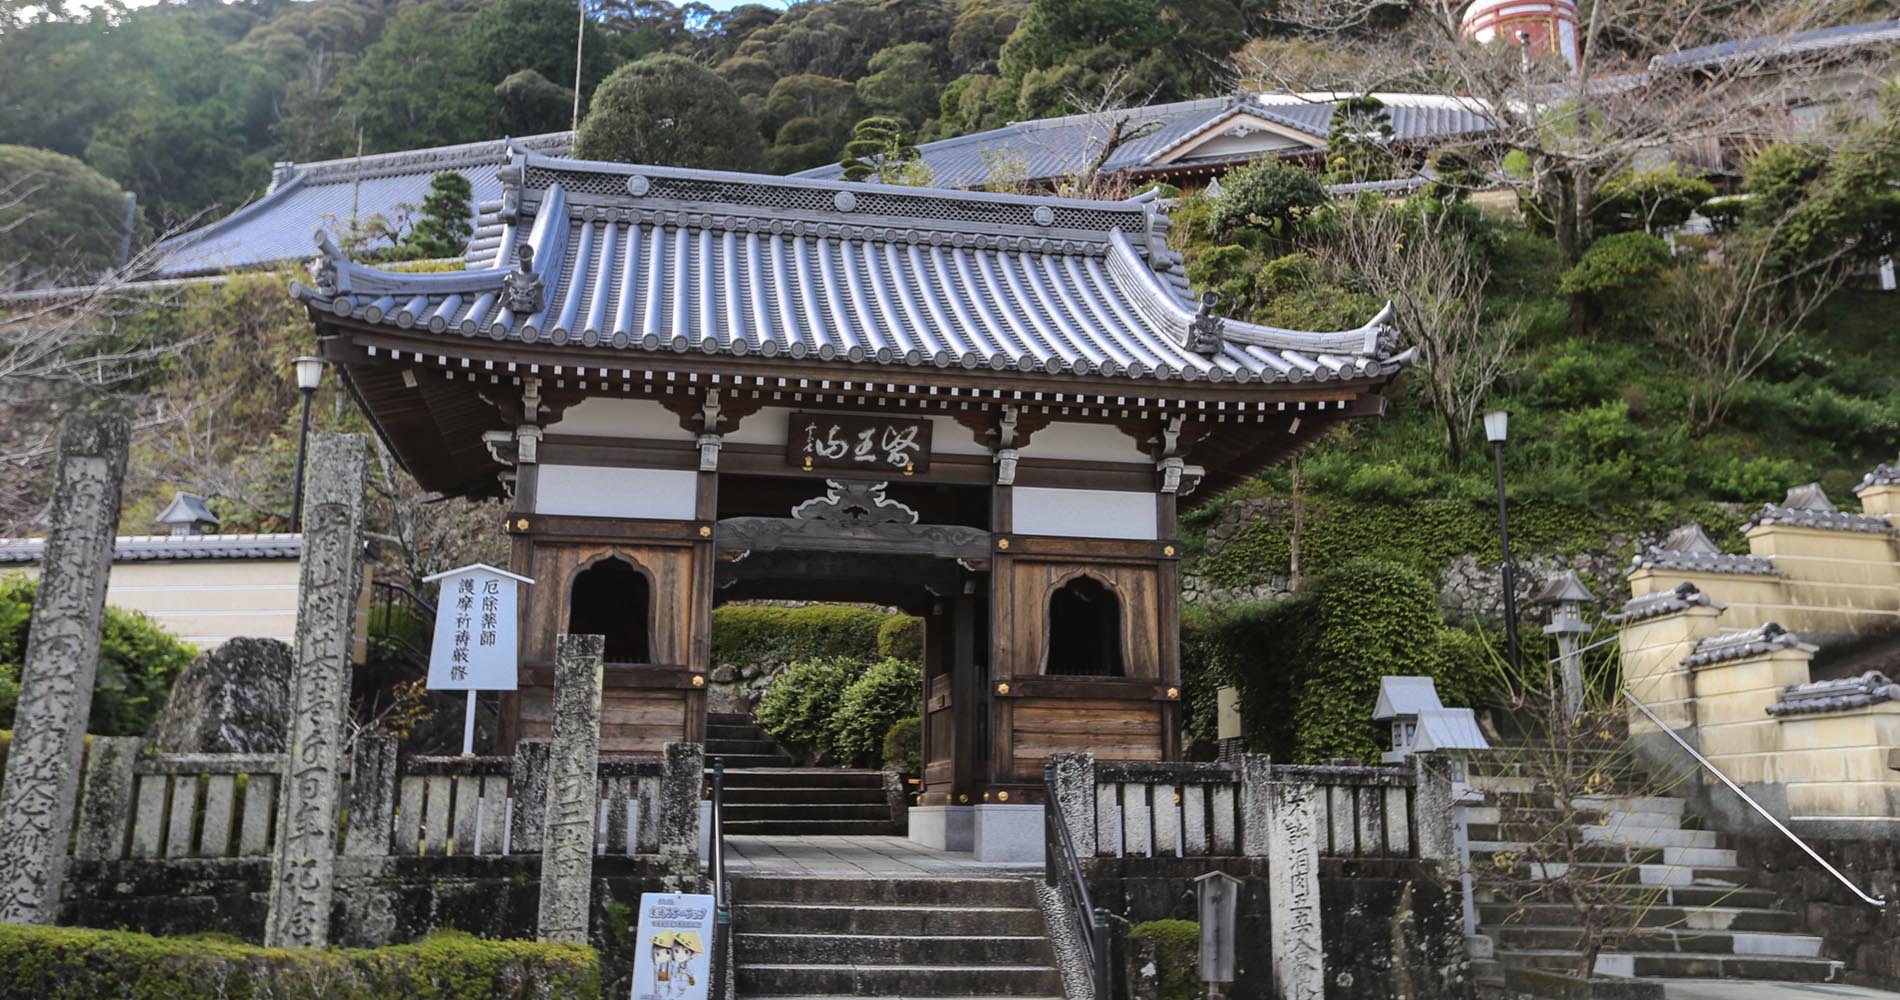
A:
[(580, 38)]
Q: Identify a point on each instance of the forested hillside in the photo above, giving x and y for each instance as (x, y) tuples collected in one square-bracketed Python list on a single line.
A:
[(188, 104)]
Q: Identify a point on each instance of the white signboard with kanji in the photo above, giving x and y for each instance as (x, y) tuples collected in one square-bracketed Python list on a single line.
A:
[(475, 630)]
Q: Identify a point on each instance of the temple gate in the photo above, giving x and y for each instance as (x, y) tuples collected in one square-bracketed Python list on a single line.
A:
[(984, 409)]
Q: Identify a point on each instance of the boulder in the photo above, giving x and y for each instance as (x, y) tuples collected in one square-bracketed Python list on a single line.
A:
[(232, 699)]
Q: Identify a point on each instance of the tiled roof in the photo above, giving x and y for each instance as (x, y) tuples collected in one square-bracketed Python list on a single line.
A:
[(1690, 548), (1663, 602), (626, 259), (1046, 148), (1831, 520), (134, 548), (1775, 46), (1742, 644), (1839, 695), (304, 196), (1884, 474)]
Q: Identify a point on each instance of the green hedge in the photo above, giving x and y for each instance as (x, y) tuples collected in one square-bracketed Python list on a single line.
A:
[(1178, 951), (66, 963), (751, 633), (1308, 667), (137, 663), (904, 746), (798, 707), (901, 636), (887, 693)]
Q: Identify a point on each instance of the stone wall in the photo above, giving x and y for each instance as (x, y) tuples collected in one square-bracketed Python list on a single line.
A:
[(1864, 937), (1391, 930)]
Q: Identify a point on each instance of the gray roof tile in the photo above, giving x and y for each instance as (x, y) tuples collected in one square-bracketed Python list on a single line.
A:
[(1838, 695), (276, 228), (1741, 644), (134, 548), (1664, 602), (634, 258), (1843, 36)]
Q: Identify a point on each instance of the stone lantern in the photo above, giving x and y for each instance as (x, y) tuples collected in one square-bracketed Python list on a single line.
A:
[(1567, 596)]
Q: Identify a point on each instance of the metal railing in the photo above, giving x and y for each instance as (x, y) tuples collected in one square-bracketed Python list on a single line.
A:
[(1765, 814), (390, 601), (1061, 867), (721, 891)]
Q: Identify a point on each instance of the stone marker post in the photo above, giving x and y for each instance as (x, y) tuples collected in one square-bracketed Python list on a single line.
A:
[(1075, 796), (372, 797), (682, 776), (41, 787), (1256, 804), (303, 868), (1299, 962), (528, 786), (573, 802)]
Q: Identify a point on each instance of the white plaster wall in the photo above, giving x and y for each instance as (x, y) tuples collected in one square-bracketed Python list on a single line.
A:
[(598, 491), (1084, 513), (603, 416), (1085, 443), (207, 602)]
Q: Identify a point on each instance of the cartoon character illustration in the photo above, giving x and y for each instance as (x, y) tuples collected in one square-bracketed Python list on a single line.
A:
[(663, 964), (686, 948)]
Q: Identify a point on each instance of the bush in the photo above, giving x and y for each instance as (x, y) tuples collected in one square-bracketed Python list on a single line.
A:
[(1617, 264), (669, 111), (1761, 479), (1268, 194), (889, 692), (137, 663), (904, 746), (68, 963), (1575, 378), (747, 633), (798, 706), (1178, 955), (901, 636)]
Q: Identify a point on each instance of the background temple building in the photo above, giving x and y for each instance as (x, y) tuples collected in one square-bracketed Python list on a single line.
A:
[(983, 409)]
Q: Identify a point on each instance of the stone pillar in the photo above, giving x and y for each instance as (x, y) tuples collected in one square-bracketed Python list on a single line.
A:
[(683, 776), (528, 787), (303, 867), (41, 788), (1299, 960), (372, 797), (573, 799), (1075, 797), (1256, 793), (105, 810), (1434, 805)]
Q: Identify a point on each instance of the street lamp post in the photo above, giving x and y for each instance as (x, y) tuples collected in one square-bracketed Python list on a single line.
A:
[(1495, 424), (309, 372)]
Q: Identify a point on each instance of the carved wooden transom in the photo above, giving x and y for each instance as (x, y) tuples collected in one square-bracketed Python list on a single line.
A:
[(854, 502)]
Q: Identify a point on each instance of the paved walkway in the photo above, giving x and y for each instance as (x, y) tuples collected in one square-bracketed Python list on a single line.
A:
[(1728, 989), (884, 857)]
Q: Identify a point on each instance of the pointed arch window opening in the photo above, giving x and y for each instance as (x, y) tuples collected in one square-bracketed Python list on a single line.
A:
[(613, 598), (1084, 630)]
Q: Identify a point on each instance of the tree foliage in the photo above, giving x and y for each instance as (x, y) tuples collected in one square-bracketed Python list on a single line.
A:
[(60, 221), (137, 663), (670, 111)]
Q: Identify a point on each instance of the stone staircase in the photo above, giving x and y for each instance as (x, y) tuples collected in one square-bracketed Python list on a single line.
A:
[(1674, 886), (888, 938), (767, 793)]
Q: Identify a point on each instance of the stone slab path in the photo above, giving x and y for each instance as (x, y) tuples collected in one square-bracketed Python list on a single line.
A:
[(1707, 989), (855, 856)]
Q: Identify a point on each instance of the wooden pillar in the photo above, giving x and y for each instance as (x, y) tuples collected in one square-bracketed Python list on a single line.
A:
[(967, 694)]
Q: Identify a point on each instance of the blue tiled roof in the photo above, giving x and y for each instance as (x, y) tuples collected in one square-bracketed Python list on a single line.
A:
[(276, 228), (1818, 40)]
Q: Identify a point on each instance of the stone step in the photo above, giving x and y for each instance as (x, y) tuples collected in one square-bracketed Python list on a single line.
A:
[(742, 747), (1014, 893), (895, 949), (834, 996), (1687, 917), (1635, 874), (782, 979), (787, 812), (754, 761), (1664, 939), (728, 719), (1677, 965), (865, 918), (1603, 852), (802, 777), (814, 828), (1648, 836), (836, 794)]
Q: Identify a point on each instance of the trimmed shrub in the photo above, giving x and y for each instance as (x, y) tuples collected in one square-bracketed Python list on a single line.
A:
[(901, 636), (69, 963), (1178, 954), (891, 691), (747, 633), (798, 707), (1617, 264), (1269, 194), (137, 663), (904, 746)]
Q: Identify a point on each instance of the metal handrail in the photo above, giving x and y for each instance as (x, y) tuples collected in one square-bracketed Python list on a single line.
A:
[(1737, 789), (1060, 865), (389, 594), (721, 892)]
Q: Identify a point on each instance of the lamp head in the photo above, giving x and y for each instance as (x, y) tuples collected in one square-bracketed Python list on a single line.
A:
[(309, 372), (1495, 422)]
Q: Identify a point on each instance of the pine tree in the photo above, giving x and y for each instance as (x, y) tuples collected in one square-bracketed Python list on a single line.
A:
[(444, 227), (881, 151)]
